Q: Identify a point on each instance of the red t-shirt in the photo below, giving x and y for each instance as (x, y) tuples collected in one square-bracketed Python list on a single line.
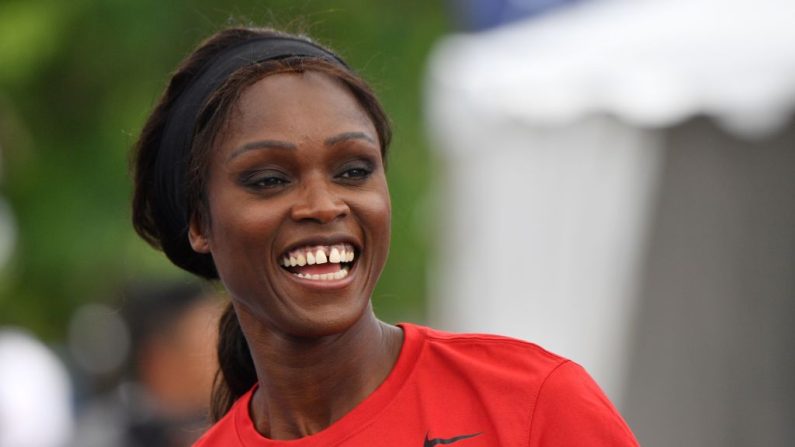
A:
[(469, 390)]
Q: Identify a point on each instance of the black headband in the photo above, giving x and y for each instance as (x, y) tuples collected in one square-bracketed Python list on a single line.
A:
[(175, 145)]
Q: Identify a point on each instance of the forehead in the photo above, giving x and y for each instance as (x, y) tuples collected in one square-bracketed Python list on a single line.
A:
[(295, 107)]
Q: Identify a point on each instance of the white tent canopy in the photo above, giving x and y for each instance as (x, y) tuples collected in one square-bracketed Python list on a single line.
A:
[(552, 130), (650, 63)]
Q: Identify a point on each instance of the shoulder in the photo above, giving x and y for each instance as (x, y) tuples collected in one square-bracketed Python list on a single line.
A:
[(225, 431), (489, 341), (571, 409), (559, 402), (509, 370), (221, 433), (494, 354)]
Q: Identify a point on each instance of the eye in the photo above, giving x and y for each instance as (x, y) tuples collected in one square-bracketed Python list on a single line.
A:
[(264, 180), (357, 170), (270, 182), (355, 173)]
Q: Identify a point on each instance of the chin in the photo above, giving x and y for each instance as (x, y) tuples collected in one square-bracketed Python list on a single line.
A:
[(329, 322)]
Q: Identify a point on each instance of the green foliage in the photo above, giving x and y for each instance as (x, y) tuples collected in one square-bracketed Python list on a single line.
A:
[(78, 78)]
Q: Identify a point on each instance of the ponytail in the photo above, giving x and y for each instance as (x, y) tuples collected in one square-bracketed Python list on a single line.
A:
[(236, 374)]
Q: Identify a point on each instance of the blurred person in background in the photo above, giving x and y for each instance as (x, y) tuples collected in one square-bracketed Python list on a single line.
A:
[(35, 393), (263, 166), (162, 399)]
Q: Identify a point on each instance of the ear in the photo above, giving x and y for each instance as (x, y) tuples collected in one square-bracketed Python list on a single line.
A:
[(197, 235)]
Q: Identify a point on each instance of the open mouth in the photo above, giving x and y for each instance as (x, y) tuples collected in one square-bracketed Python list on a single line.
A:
[(320, 262)]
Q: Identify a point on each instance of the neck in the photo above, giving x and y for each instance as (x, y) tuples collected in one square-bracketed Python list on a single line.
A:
[(306, 384)]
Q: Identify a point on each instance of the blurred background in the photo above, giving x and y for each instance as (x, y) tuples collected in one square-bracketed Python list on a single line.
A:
[(612, 179)]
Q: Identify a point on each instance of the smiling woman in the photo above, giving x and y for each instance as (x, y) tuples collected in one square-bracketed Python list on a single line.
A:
[(263, 166), (302, 175)]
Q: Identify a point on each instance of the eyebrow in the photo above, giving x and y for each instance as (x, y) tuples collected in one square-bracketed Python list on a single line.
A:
[(348, 136), (276, 144), (261, 144)]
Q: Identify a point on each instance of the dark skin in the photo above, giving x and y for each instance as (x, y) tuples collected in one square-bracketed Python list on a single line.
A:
[(300, 166)]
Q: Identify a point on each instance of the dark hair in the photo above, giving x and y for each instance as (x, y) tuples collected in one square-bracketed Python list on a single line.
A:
[(236, 373)]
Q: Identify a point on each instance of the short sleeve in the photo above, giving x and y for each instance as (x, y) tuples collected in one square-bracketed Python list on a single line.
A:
[(571, 410)]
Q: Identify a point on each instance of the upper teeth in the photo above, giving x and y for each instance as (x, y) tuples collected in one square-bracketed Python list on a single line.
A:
[(318, 255)]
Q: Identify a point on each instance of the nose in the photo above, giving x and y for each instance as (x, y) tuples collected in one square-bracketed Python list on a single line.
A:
[(318, 202)]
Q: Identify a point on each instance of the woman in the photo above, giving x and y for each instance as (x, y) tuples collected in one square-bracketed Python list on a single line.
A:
[(263, 166)]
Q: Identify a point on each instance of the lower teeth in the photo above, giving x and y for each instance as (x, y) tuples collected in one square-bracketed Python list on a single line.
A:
[(339, 274)]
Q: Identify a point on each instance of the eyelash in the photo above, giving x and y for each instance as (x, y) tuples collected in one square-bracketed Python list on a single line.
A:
[(263, 180), (361, 171), (352, 173), (269, 182)]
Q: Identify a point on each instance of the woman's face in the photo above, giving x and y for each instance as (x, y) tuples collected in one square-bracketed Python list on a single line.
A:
[(299, 212)]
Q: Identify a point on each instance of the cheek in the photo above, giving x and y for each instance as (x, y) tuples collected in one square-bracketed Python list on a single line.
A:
[(377, 213), (245, 227)]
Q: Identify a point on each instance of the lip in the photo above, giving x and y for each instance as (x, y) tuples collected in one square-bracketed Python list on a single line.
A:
[(330, 239)]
